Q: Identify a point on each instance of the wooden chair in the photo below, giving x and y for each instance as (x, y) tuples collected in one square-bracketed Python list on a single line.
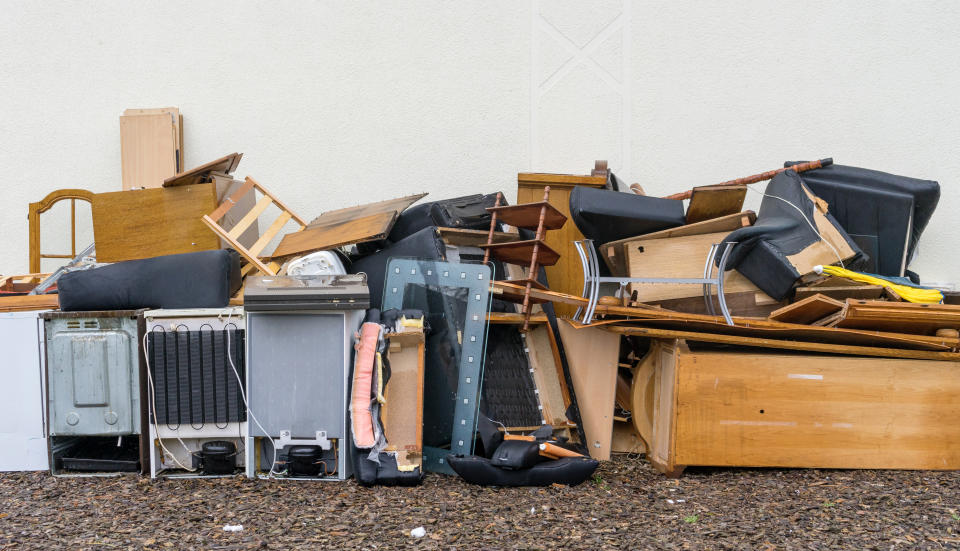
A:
[(252, 255), (38, 208)]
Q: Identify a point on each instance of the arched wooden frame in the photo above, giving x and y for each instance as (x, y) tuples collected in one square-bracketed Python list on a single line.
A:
[(38, 208)]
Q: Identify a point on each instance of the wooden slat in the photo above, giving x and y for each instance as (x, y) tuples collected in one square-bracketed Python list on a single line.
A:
[(271, 232), (716, 323), (785, 344), (906, 317), (323, 237), (749, 304), (129, 225), (514, 318), (254, 213), (232, 200), (252, 259), (28, 302), (807, 310), (473, 238), (545, 373), (712, 202), (568, 180)]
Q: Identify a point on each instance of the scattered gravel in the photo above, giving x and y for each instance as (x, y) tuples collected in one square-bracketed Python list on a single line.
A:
[(627, 505)]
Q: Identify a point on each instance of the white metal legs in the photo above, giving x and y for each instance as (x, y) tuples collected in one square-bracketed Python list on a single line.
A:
[(592, 280)]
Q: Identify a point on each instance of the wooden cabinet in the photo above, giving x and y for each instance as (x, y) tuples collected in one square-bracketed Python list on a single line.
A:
[(566, 276), (761, 409)]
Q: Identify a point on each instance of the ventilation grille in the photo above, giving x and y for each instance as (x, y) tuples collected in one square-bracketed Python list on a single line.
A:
[(193, 382)]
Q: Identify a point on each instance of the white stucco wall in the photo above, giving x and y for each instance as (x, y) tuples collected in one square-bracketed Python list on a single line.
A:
[(336, 103)]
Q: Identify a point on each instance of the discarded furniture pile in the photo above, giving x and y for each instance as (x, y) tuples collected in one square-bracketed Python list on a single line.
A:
[(211, 330)]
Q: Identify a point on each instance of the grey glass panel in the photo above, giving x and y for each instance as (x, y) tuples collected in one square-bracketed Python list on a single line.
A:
[(456, 300)]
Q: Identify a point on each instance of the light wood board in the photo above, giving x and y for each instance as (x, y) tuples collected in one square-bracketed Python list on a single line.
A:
[(711, 202), (924, 319), (129, 225), (787, 410), (681, 257), (329, 236), (402, 414), (547, 374), (592, 359), (614, 252), (148, 150)]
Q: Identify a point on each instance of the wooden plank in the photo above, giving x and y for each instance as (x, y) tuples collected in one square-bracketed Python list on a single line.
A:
[(233, 200), (807, 310), (249, 218), (502, 289), (527, 215), (28, 302), (789, 410), (323, 237), (791, 331), (129, 225), (642, 391), (515, 318), (201, 174), (566, 275), (785, 344), (592, 359), (614, 252), (252, 259), (473, 238), (353, 213), (268, 235), (663, 451), (402, 414), (148, 150), (520, 252), (906, 317), (177, 118), (840, 292), (547, 376), (677, 257), (744, 304), (707, 203)]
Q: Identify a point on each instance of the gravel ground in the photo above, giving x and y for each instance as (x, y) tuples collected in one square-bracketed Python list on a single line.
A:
[(628, 505)]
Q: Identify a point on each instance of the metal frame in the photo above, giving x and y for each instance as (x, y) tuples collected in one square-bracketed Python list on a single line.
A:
[(592, 280), (476, 278)]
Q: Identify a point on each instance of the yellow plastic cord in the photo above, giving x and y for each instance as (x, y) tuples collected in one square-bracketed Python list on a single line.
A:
[(907, 293)]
